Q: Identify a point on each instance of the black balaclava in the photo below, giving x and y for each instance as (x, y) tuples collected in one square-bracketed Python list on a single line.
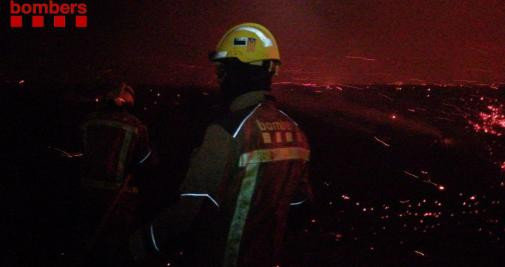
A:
[(238, 78)]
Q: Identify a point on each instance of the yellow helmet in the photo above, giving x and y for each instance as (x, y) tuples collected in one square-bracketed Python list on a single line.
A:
[(248, 42)]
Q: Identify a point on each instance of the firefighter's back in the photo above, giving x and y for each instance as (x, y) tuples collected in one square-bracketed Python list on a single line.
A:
[(271, 163), (110, 138), (114, 140)]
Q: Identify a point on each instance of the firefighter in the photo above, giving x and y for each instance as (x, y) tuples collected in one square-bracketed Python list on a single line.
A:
[(115, 144), (249, 171)]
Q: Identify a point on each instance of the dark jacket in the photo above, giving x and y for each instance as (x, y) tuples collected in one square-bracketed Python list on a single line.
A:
[(114, 142), (251, 167)]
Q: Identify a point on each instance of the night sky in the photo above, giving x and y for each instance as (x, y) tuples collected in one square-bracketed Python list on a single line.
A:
[(355, 41)]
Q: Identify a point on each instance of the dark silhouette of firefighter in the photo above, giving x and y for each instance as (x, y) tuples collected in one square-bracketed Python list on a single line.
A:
[(115, 144), (250, 169)]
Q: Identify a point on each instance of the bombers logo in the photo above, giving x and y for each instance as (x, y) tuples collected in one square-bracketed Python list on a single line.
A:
[(58, 13)]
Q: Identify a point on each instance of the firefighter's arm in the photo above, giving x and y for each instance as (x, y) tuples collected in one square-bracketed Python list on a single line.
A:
[(207, 166)]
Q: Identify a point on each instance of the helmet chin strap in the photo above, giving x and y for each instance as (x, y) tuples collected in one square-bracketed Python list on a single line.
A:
[(273, 67)]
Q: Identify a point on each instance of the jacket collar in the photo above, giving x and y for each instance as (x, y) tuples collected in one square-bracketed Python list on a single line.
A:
[(249, 99)]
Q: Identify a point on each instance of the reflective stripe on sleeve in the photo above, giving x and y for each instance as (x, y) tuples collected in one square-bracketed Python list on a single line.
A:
[(244, 120), (275, 154), (201, 195), (297, 203), (146, 156), (153, 239)]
